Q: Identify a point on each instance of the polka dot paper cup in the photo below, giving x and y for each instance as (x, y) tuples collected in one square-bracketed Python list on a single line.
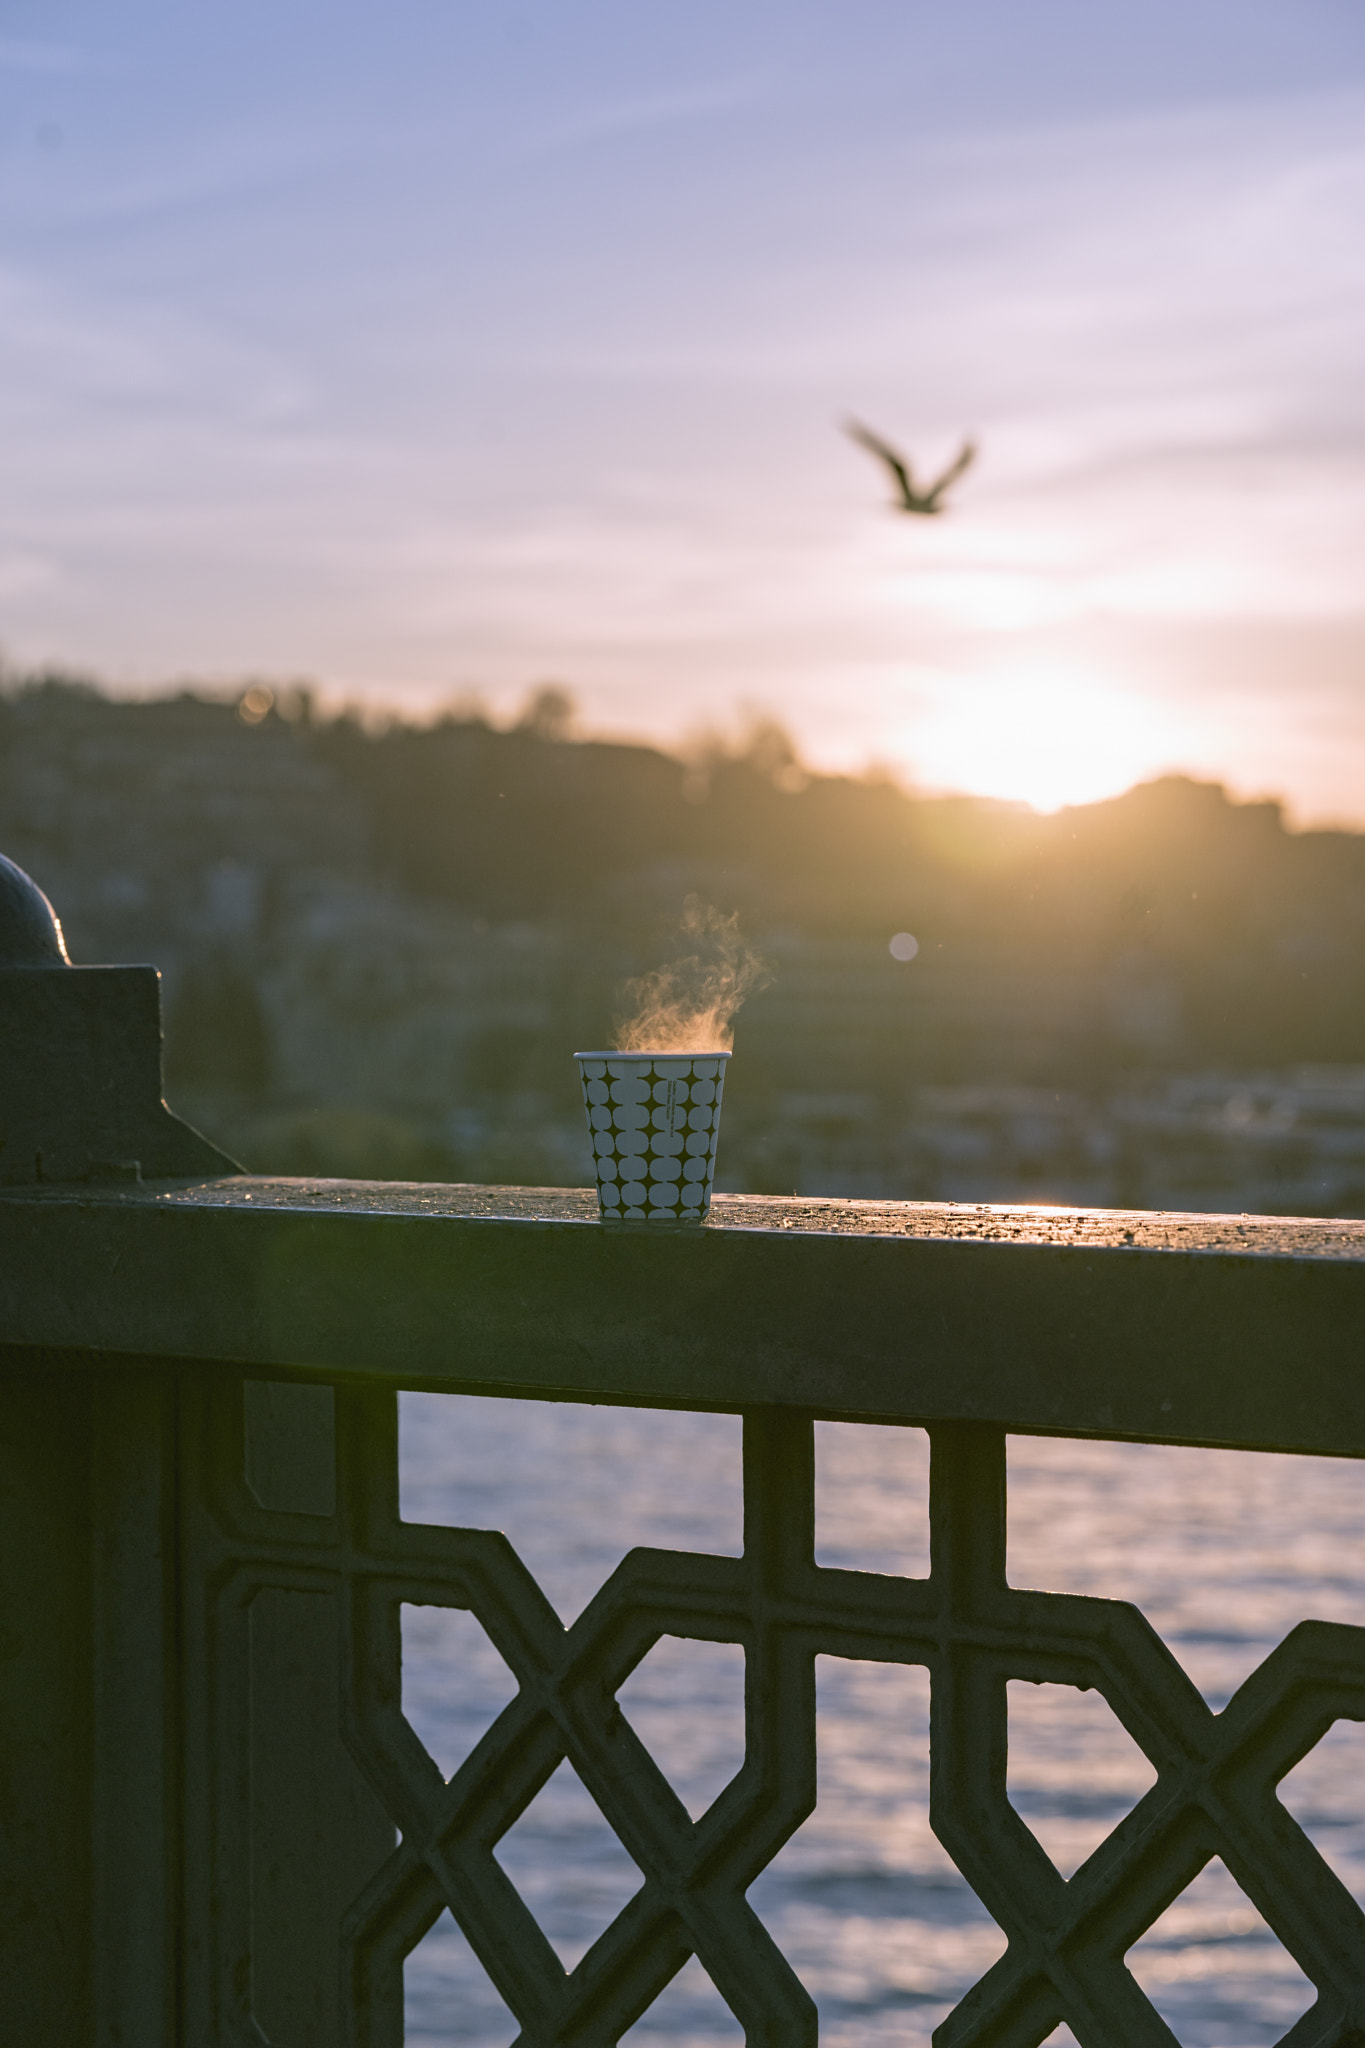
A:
[(654, 1119)]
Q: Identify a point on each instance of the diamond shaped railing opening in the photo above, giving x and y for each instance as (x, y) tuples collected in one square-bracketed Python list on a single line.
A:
[(1224, 1551), (1214, 1970), (685, 1701), (881, 1927), (574, 1488), (569, 1867), (690, 2013), (872, 1498), (1074, 1770), (448, 1998), (1323, 1795), (454, 1682)]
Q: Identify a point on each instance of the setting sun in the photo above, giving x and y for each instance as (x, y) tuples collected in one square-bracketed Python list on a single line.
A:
[(1036, 734)]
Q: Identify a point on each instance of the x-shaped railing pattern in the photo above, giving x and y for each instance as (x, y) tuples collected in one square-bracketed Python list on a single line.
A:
[(1214, 1795)]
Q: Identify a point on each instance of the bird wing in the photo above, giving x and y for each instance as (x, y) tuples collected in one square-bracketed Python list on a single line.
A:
[(899, 468), (951, 474)]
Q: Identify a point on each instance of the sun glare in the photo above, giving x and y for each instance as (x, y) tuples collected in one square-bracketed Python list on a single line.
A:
[(1038, 736)]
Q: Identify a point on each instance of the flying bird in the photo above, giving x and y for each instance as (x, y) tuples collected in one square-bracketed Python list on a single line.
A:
[(929, 501)]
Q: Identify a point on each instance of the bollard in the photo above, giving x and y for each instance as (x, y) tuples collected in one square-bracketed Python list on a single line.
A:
[(80, 1061)]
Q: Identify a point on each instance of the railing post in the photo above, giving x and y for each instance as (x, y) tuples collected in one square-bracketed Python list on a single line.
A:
[(89, 1754), (46, 1708), (136, 1752)]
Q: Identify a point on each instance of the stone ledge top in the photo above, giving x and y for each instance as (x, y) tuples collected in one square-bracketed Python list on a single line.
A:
[(1280, 1237)]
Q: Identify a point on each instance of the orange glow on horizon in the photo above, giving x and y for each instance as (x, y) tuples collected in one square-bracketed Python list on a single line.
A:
[(1037, 734)]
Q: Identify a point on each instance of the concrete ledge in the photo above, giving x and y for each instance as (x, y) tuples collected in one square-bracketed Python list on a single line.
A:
[(1246, 1331)]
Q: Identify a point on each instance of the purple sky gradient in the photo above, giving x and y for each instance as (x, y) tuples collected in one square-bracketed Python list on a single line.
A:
[(433, 348)]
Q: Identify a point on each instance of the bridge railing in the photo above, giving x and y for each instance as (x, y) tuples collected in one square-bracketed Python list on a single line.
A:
[(219, 1827)]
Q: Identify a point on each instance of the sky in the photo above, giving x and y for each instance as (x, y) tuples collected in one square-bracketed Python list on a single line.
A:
[(438, 349)]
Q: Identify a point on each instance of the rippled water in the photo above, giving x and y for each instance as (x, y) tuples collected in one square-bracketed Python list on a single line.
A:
[(1223, 1551)]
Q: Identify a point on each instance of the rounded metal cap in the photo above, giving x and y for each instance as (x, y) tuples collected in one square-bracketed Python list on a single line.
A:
[(30, 932)]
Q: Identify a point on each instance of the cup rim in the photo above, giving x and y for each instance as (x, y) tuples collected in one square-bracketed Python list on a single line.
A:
[(615, 1055)]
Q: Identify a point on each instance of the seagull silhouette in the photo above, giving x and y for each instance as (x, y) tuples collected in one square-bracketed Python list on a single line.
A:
[(927, 502)]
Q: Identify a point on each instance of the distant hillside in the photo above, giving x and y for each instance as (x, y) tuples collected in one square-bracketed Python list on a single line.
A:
[(1253, 932), (1169, 927)]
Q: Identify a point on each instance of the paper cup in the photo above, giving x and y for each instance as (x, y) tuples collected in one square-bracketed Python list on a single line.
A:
[(653, 1118)]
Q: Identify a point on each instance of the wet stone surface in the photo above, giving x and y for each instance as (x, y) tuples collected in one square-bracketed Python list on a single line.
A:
[(1281, 1237)]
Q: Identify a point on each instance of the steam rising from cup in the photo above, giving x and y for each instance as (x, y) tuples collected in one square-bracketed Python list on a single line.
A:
[(653, 1103), (689, 1004)]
